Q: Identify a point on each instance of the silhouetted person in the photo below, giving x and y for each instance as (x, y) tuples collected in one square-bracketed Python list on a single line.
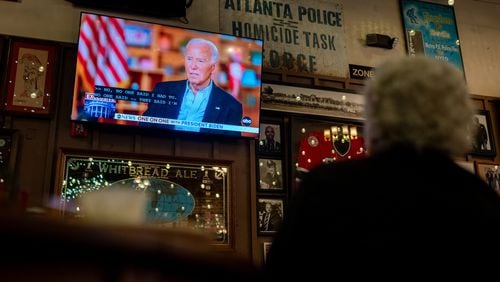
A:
[(407, 207)]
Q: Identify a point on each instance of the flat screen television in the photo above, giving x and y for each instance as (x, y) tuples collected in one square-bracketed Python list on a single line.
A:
[(140, 74)]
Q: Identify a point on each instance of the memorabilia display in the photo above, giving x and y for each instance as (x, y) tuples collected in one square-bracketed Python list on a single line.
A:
[(32, 70)]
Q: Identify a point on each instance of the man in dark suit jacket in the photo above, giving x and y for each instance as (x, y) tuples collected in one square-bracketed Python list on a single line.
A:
[(197, 99)]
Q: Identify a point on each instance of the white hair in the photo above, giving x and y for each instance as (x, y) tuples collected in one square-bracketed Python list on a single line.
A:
[(215, 51), (418, 101)]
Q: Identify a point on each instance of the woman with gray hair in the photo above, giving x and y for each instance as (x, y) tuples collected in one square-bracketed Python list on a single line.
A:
[(408, 199)]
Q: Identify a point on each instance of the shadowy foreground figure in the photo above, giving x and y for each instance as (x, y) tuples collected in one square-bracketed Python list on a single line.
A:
[(407, 206)]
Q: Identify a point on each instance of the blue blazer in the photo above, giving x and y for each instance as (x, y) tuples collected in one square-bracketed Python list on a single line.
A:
[(222, 107)]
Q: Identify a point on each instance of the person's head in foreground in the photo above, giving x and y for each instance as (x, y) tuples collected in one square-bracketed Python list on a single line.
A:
[(408, 199), (419, 102)]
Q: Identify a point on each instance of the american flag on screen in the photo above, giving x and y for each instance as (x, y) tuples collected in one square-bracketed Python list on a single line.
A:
[(102, 52)]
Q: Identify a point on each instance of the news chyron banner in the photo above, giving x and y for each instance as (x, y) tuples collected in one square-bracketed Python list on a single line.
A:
[(104, 98), (299, 36)]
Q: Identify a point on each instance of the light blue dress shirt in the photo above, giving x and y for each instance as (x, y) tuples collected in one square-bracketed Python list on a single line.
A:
[(193, 106)]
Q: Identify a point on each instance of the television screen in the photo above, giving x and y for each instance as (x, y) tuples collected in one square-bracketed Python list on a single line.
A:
[(141, 74)]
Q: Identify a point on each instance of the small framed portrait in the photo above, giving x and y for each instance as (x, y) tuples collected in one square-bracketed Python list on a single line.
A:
[(270, 175), (482, 139), (266, 246), (269, 215), (269, 138), (490, 173), (32, 70)]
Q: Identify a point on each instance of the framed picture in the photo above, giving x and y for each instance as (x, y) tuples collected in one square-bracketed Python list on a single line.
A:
[(266, 247), (312, 101), (319, 141), (270, 175), (179, 192), (269, 215), (482, 141), (431, 29), (490, 173), (31, 74), (270, 138)]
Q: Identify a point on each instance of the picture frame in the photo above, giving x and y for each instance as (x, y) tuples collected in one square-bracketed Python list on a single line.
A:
[(270, 175), (266, 246), (181, 193), (270, 213), (316, 141), (489, 173), (3, 67), (427, 36), (270, 139), (483, 143), (330, 103), (31, 73)]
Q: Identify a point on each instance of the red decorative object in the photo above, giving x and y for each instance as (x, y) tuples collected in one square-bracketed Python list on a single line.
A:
[(79, 129)]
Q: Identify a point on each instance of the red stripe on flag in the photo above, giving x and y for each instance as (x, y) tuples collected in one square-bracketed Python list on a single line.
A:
[(96, 63)]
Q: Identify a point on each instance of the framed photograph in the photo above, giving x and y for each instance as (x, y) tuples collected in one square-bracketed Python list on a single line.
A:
[(269, 215), (490, 173), (482, 141), (270, 138), (182, 193), (270, 175), (426, 35), (31, 74), (266, 247), (312, 101)]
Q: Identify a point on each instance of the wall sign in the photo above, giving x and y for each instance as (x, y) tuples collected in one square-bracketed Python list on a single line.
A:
[(361, 72), (312, 101), (305, 38), (431, 29), (191, 194)]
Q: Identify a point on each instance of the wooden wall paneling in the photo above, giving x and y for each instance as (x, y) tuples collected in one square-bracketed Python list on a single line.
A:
[(195, 147), (63, 138), (161, 145), (32, 155), (4, 50), (493, 105), (238, 151), (53, 125)]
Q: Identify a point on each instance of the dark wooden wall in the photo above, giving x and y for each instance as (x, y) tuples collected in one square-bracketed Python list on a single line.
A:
[(39, 140)]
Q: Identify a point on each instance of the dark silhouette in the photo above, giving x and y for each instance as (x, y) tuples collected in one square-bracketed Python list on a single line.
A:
[(407, 207)]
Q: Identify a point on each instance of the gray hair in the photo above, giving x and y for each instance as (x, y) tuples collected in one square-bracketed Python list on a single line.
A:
[(418, 101), (215, 51)]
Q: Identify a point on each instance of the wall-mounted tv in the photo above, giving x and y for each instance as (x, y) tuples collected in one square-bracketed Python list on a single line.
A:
[(148, 75)]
